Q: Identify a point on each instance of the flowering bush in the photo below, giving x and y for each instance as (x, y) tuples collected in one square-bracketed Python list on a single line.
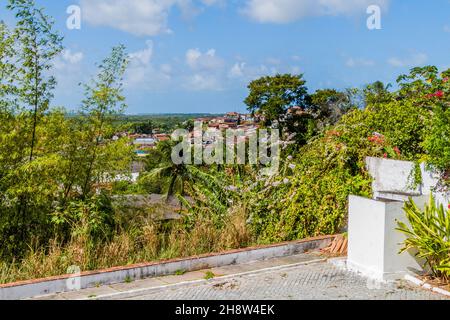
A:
[(330, 168), (427, 88)]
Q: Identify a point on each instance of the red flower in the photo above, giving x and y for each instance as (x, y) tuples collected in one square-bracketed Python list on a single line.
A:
[(449, 207), (378, 139), (397, 151), (385, 155), (439, 94)]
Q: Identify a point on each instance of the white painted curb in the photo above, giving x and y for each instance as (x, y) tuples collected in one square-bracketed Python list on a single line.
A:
[(427, 286)]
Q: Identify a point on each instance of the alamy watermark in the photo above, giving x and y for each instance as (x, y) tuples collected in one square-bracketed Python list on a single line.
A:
[(73, 22), (73, 283), (232, 146), (374, 20)]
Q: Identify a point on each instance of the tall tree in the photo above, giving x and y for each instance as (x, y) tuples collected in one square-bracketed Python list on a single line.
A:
[(8, 68), (330, 105), (161, 169), (39, 44), (272, 96), (104, 101), (377, 92), (36, 45)]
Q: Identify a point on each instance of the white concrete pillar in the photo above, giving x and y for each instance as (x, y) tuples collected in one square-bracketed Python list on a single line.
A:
[(374, 242)]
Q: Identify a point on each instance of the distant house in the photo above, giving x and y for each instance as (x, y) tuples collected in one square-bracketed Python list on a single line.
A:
[(162, 137), (247, 118), (144, 142), (232, 117), (214, 125)]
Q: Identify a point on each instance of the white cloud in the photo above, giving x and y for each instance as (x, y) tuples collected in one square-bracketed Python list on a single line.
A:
[(192, 56), (143, 56), (416, 59), (142, 73), (359, 62), (296, 70), (69, 72), (202, 82), (273, 61), (207, 70), (72, 58), (200, 72), (139, 17), (245, 72), (237, 70), (207, 61), (67, 60), (284, 11)]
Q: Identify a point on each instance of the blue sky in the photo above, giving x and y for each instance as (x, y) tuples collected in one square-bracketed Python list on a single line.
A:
[(199, 55)]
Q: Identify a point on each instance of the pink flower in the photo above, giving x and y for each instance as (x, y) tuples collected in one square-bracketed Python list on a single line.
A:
[(385, 155)]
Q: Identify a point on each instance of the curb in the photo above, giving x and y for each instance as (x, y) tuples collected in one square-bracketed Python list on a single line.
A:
[(90, 279), (425, 285)]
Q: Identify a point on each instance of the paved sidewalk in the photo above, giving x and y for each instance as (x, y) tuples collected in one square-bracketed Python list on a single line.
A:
[(305, 276)]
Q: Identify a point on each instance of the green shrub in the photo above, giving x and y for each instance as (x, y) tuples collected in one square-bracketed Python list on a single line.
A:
[(429, 235), (437, 143), (310, 198)]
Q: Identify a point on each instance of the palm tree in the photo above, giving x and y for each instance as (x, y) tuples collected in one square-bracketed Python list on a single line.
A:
[(171, 176)]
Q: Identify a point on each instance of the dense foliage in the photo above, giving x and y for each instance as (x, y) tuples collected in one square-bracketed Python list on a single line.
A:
[(310, 198), (49, 162)]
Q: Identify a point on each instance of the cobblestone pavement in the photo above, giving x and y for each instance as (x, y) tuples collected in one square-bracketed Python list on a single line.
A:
[(314, 281), (304, 276)]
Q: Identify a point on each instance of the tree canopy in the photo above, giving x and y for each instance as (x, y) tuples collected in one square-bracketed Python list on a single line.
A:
[(272, 96)]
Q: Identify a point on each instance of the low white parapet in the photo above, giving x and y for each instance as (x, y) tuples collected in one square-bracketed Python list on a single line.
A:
[(374, 242), (391, 176), (393, 180)]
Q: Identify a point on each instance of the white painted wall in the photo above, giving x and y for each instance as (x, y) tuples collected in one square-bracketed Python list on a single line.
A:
[(374, 243), (366, 236)]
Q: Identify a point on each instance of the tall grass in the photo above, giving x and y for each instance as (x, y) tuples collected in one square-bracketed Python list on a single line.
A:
[(146, 242)]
